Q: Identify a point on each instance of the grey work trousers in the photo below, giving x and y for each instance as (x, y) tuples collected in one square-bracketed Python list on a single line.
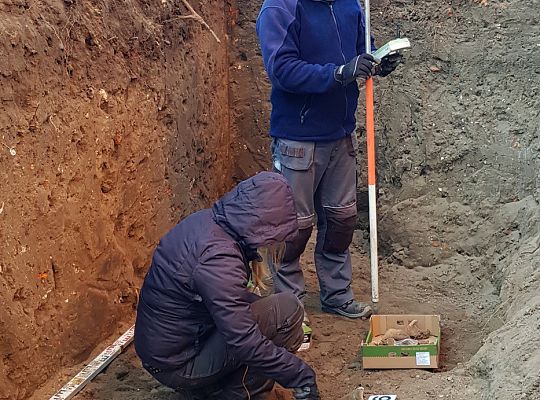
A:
[(214, 374), (323, 179)]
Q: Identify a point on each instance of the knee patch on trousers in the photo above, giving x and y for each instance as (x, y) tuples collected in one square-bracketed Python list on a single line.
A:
[(296, 247), (340, 223)]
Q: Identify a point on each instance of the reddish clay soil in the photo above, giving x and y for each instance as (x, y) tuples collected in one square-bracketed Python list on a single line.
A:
[(113, 125)]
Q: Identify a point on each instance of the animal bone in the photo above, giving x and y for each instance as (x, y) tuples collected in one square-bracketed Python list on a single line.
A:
[(411, 331)]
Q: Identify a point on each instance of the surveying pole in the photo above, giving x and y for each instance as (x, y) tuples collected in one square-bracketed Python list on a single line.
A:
[(372, 188)]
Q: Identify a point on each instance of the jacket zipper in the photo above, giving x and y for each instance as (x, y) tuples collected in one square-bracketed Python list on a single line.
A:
[(304, 111), (342, 54)]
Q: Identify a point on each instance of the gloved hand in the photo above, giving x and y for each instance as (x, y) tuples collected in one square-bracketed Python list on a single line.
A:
[(359, 67), (388, 64), (307, 393)]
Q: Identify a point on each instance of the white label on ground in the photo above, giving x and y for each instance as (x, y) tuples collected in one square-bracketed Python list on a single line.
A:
[(383, 397), (422, 358)]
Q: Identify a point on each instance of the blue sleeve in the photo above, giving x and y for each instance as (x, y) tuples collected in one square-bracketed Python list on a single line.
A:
[(219, 280), (277, 29)]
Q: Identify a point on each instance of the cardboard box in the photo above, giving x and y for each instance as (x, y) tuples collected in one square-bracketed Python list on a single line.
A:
[(389, 357)]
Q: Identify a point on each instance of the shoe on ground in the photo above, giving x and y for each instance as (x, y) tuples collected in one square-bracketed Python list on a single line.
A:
[(351, 309)]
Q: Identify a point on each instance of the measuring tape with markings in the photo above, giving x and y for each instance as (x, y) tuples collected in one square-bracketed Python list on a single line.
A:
[(95, 366)]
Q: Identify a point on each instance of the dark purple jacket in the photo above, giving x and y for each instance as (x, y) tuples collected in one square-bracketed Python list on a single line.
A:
[(197, 282)]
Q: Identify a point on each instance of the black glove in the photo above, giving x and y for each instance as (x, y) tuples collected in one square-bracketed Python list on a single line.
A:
[(359, 67), (307, 393), (388, 64)]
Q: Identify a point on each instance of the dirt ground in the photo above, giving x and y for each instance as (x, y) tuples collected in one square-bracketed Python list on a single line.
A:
[(335, 355), (458, 130)]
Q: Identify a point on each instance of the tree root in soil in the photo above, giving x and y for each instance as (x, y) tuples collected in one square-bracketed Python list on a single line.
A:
[(196, 16)]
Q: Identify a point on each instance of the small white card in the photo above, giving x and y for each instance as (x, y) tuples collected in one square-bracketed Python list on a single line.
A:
[(422, 358), (383, 397)]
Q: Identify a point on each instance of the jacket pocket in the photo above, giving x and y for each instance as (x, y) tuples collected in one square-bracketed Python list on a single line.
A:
[(293, 154)]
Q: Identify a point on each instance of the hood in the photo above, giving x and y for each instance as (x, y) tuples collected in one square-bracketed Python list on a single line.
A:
[(259, 211)]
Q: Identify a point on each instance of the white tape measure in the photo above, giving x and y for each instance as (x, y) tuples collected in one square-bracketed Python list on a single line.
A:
[(95, 366), (383, 397)]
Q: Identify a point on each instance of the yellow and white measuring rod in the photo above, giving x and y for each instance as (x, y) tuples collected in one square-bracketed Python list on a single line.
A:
[(79, 381)]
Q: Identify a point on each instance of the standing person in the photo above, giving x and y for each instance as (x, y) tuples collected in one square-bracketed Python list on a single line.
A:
[(314, 53), (199, 329)]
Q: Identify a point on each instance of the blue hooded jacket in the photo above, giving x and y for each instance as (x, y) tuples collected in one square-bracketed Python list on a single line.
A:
[(197, 283), (302, 43)]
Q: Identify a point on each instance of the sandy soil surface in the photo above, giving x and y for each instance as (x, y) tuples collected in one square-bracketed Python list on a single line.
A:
[(336, 343)]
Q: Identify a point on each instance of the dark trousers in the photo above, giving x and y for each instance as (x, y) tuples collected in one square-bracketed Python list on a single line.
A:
[(322, 176), (214, 374)]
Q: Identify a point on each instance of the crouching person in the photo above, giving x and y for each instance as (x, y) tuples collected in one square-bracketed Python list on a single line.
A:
[(199, 328)]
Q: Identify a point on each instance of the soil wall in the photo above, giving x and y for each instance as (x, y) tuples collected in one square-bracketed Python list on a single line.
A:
[(459, 159), (113, 125)]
